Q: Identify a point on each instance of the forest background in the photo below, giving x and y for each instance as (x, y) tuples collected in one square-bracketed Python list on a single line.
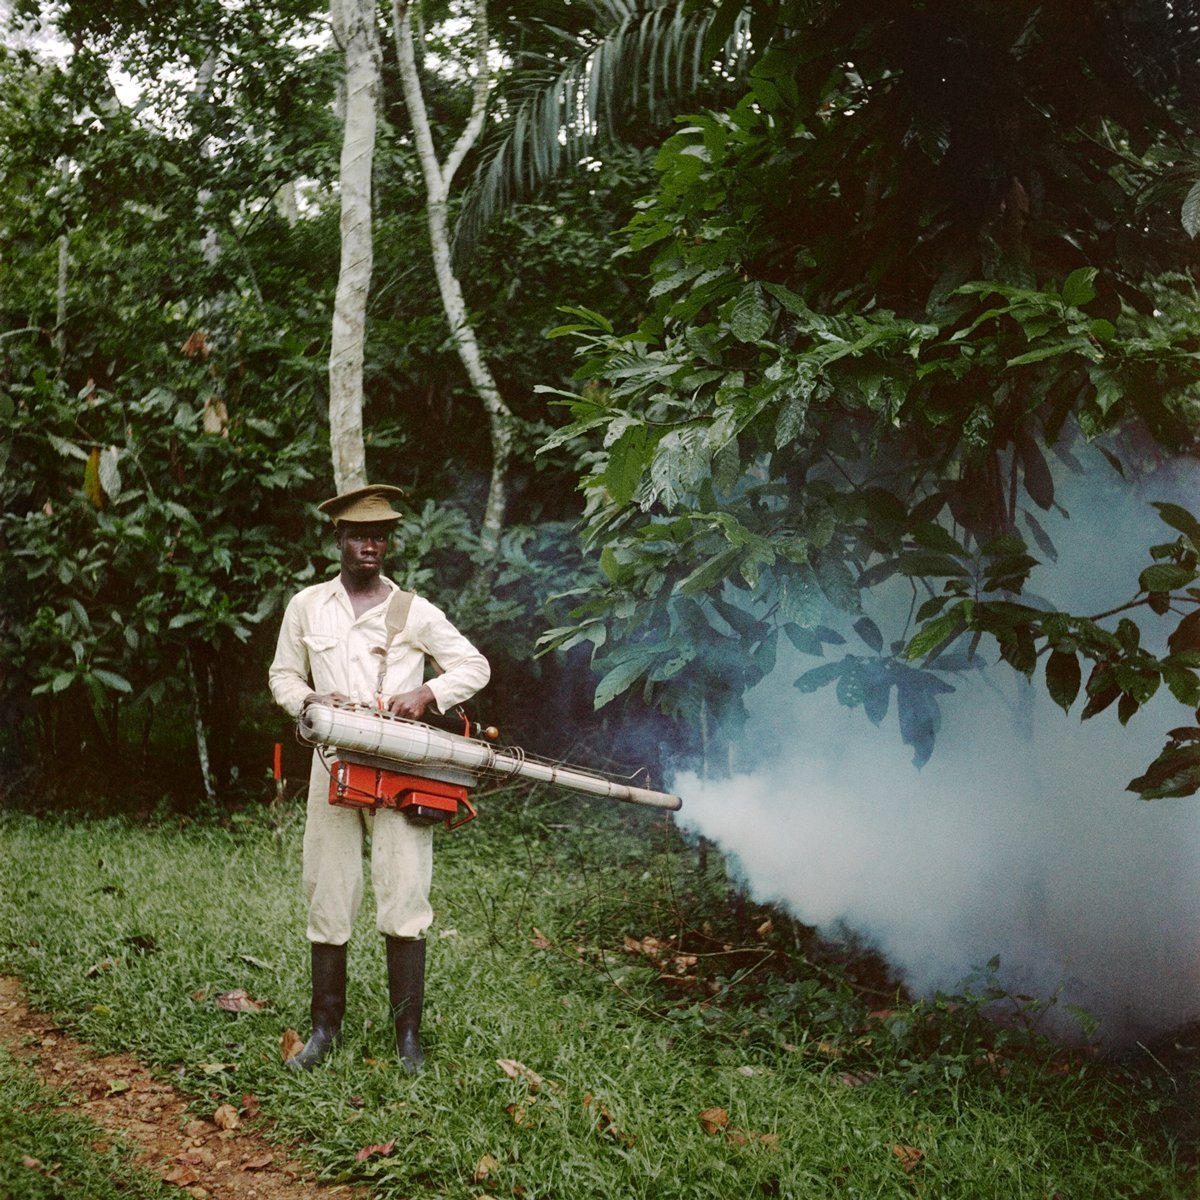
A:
[(779, 305)]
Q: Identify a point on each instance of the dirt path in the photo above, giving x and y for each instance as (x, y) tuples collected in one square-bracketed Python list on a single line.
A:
[(218, 1158)]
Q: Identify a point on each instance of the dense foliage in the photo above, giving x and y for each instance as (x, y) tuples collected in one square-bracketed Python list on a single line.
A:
[(170, 259), (895, 287)]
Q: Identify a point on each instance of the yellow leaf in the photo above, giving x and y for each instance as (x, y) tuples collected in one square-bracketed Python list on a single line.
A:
[(290, 1044), (485, 1168), (226, 1117), (713, 1119), (93, 489)]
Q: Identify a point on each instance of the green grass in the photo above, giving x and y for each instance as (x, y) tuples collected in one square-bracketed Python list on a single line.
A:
[(128, 932)]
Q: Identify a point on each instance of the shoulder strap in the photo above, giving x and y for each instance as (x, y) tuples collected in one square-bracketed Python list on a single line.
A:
[(394, 621), (397, 615)]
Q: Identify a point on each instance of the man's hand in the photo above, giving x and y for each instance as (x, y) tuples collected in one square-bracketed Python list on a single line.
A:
[(412, 704), (325, 698)]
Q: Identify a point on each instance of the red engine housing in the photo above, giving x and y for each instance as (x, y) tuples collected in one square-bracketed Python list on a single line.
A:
[(423, 801)]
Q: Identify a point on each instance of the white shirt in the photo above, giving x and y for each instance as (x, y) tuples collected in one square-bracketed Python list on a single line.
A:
[(323, 641)]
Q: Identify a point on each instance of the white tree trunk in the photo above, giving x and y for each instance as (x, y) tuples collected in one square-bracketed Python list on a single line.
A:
[(438, 178), (356, 32)]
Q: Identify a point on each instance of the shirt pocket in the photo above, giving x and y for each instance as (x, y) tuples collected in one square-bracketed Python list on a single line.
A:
[(319, 643)]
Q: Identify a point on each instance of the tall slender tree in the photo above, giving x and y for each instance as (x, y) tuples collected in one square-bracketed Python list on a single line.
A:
[(439, 178), (357, 35)]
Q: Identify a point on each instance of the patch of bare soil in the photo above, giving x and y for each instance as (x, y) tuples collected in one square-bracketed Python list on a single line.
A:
[(221, 1157)]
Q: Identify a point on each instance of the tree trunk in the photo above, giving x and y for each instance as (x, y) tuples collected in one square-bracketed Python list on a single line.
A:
[(206, 773), (356, 33), (438, 178)]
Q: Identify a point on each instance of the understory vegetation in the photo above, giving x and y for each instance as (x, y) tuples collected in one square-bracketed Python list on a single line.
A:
[(606, 1016)]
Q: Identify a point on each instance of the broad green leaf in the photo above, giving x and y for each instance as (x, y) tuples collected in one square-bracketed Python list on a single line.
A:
[(1179, 518), (1190, 213), (805, 640), (1063, 678), (1079, 287), (818, 677), (110, 679), (1165, 577), (869, 632), (934, 634), (750, 317), (620, 679)]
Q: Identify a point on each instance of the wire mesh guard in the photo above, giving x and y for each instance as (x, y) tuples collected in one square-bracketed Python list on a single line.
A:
[(364, 734)]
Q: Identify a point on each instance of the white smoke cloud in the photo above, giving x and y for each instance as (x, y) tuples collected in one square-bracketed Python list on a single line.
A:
[(1016, 839)]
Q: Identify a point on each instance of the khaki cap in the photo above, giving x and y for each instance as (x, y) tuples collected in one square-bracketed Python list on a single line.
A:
[(368, 505)]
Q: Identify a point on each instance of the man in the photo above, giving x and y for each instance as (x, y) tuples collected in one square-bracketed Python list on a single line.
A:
[(333, 645)]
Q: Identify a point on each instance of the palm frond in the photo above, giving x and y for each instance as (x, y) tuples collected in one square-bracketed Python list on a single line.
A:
[(651, 57)]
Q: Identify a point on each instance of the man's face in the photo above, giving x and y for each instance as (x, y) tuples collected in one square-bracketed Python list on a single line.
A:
[(363, 547)]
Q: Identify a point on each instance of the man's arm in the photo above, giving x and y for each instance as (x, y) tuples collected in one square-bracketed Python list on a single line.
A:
[(289, 673), (463, 669)]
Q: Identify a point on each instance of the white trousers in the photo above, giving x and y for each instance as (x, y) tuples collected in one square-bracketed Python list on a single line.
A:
[(401, 866)]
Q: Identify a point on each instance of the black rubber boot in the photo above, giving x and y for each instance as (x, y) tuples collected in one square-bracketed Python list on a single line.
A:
[(328, 1005), (406, 991)]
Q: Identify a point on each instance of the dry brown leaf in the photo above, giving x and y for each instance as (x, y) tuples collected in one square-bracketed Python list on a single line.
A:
[(196, 345), (182, 1175), (518, 1070), (290, 1044), (485, 1168), (857, 1079), (712, 1120), (540, 940), (34, 1164), (257, 1164), (226, 1117), (607, 1125), (238, 1001), (908, 1156), (520, 1115), (249, 1105), (766, 928), (384, 1148)]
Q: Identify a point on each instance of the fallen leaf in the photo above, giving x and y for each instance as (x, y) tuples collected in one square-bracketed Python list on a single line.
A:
[(828, 1050), (908, 1156), (256, 962), (290, 1044), (384, 1148), (485, 1168), (517, 1070), (520, 1115), (257, 1164), (105, 964), (250, 1105), (857, 1080), (745, 1137), (117, 1086), (33, 1164), (238, 1001), (766, 928), (226, 1117), (606, 1124), (217, 1068), (713, 1119), (182, 1175), (540, 940)]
